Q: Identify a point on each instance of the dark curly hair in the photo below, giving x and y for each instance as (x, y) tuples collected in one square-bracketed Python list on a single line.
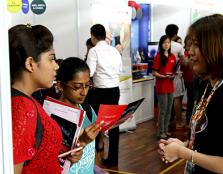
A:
[(27, 41), (69, 67)]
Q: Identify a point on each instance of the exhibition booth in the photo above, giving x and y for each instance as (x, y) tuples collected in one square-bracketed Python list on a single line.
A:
[(137, 24)]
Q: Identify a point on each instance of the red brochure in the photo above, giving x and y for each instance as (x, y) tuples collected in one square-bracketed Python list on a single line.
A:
[(110, 114), (114, 115)]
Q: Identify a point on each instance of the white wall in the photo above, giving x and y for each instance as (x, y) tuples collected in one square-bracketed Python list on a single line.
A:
[(84, 25), (162, 15), (70, 21), (88, 16), (61, 19)]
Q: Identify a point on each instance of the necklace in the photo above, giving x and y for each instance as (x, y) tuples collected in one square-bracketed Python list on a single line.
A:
[(199, 110)]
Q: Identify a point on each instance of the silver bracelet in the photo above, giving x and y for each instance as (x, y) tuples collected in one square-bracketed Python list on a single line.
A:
[(192, 156)]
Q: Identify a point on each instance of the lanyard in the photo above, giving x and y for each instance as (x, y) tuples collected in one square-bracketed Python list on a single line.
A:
[(200, 109)]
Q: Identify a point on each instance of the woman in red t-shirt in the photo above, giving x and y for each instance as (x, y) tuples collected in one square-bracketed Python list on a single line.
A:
[(163, 66), (188, 76), (33, 67)]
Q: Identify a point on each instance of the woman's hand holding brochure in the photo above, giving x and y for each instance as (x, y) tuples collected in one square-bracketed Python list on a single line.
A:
[(90, 132), (76, 154)]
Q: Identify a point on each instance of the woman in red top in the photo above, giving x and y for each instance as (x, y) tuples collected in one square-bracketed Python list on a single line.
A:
[(33, 66), (163, 66), (188, 79)]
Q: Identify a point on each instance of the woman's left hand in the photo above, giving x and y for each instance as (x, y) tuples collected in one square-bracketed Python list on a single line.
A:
[(90, 133)]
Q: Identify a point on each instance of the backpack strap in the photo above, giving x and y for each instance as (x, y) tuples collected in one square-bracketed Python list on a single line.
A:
[(39, 127), (88, 110)]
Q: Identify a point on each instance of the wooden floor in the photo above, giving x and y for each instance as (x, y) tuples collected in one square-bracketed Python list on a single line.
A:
[(138, 152)]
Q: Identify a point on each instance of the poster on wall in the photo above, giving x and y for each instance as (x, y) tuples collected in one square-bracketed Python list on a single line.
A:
[(14, 6), (25, 6), (116, 19), (140, 36), (38, 7)]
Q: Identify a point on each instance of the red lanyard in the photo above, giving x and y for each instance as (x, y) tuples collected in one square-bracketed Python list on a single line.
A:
[(199, 110)]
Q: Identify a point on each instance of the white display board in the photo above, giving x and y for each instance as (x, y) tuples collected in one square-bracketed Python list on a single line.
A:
[(145, 90), (117, 20), (126, 97)]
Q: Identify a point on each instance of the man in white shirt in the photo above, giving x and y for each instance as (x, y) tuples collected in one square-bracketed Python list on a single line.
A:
[(179, 88), (105, 67)]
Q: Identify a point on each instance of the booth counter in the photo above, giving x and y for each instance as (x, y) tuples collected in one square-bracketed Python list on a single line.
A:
[(144, 88)]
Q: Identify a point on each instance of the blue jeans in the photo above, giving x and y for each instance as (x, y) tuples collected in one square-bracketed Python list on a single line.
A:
[(165, 102)]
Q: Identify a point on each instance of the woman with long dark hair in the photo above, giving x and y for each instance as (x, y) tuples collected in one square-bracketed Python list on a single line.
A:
[(163, 67), (203, 152)]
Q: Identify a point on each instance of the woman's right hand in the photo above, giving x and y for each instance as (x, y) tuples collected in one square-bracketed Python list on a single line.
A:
[(163, 142), (163, 149), (171, 151), (74, 157), (18, 168)]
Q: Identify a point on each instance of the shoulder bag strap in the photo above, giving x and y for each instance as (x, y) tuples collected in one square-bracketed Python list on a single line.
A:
[(39, 127)]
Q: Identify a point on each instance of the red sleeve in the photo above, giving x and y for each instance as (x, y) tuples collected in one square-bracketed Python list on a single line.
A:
[(24, 120), (156, 62), (186, 53)]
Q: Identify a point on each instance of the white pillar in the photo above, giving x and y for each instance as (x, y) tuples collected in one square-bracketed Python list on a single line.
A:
[(6, 157)]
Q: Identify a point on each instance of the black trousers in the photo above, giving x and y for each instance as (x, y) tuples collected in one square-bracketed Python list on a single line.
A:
[(99, 96)]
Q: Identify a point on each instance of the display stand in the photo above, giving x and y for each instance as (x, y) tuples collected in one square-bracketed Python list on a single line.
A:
[(144, 88)]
